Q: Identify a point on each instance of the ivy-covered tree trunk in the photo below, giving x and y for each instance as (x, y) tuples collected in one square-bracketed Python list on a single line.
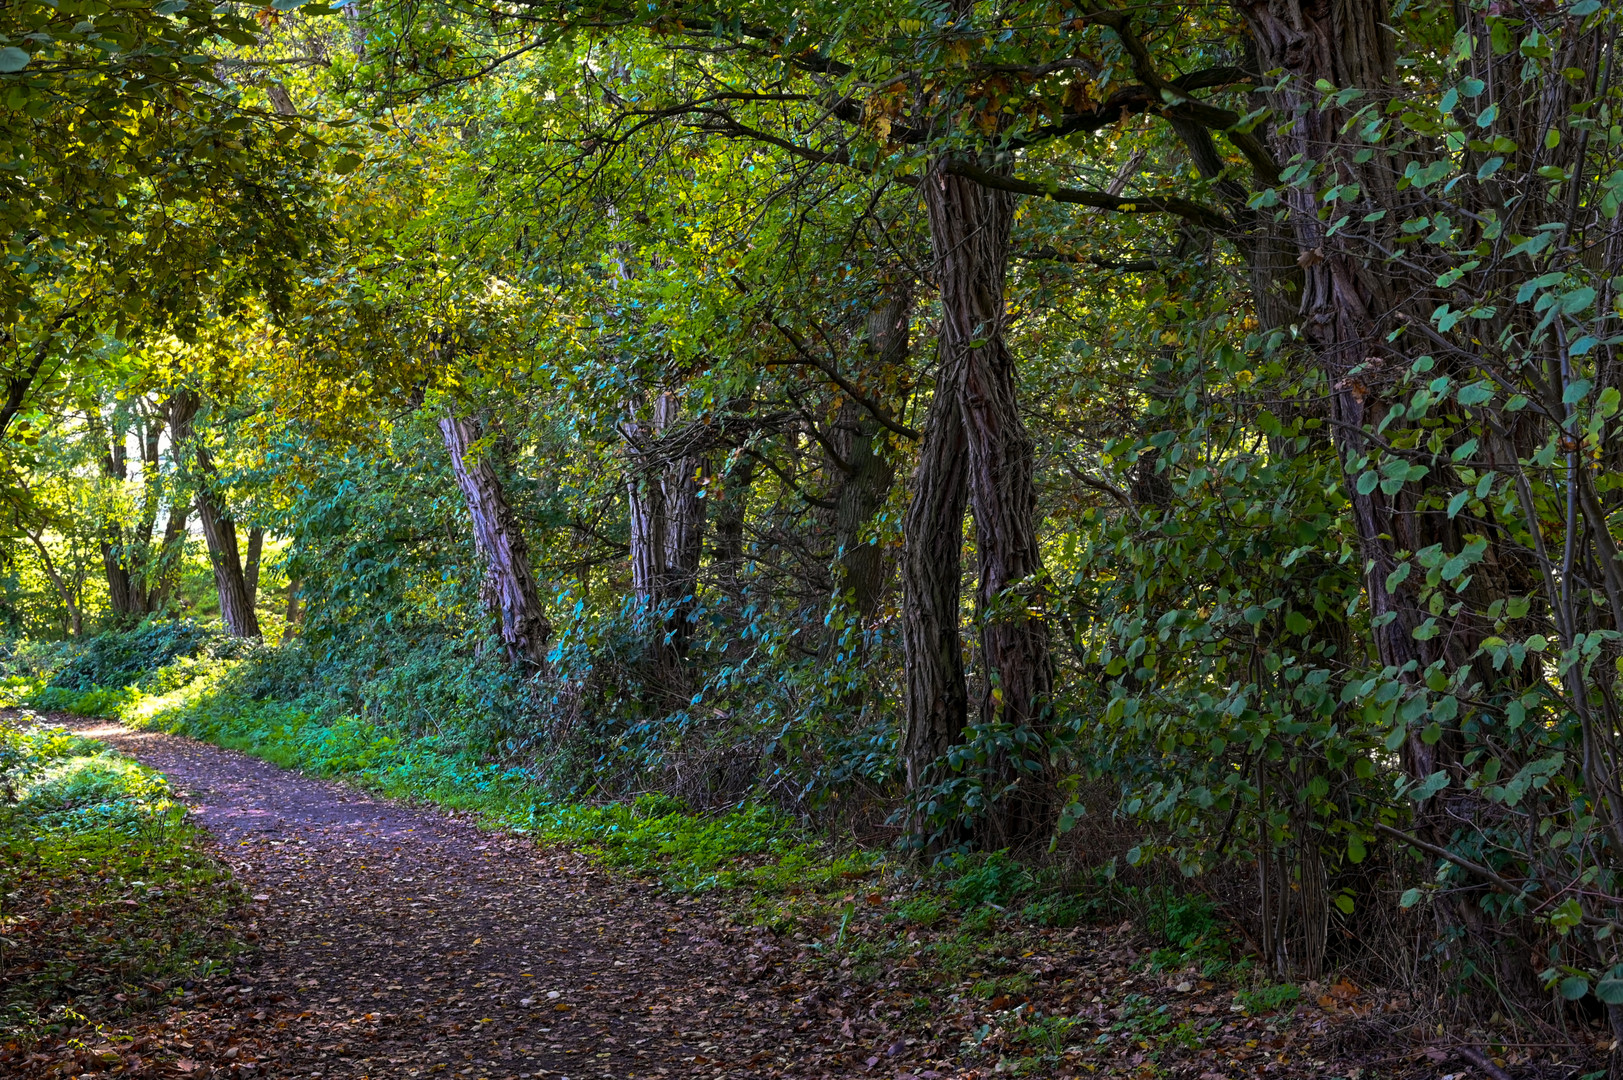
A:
[(1368, 317), (969, 230), (508, 589)]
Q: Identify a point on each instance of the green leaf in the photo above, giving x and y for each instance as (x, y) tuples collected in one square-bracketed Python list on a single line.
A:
[(1574, 987), (1434, 783), (345, 164), (1578, 299), (1409, 899), (1576, 392), (1476, 393), (1355, 848), (12, 59), (1610, 990), (1397, 577)]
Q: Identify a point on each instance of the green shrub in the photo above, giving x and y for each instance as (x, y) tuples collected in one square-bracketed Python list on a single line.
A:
[(988, 879), (922, 910), (1183, 921), (122, 658)]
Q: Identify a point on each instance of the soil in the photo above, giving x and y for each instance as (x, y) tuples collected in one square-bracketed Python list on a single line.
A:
[(396, 941)]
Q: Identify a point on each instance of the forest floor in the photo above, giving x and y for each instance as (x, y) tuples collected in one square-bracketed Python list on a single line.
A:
[(404, 941)]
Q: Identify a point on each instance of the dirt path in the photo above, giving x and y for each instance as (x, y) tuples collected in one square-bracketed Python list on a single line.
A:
[(402, 942)]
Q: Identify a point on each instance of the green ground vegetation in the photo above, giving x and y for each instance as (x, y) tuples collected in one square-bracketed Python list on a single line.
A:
[(110, 899)]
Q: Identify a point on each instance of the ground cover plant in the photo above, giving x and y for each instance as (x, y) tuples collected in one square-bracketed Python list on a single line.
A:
[(112, 901)]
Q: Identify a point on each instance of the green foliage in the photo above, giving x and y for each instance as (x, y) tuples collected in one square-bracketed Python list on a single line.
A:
[(1267, 999), (993, 878), (123, 659), (1182, 921)]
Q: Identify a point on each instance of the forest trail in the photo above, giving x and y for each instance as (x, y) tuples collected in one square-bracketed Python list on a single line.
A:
[(397, 941)]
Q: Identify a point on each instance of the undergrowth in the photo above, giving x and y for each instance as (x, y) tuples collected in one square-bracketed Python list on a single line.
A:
[(109, 900)]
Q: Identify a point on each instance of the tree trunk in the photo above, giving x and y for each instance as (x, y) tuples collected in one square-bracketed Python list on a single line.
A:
[(219, 528), (509, 590), (731, 511), (166, 572), (250, 565), (73, 617), (867, 474), (667, 523), (113, 539), (220, 532), (937, 701), (969, 229), (294, 614), (144, 585), (680, 484)]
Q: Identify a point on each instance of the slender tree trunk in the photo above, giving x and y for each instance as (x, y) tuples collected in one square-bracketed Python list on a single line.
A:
[(969, 229), (219, 528), (937, 701), (731, 511), (166, 572), (294, 612), (113, 539), (143, 586), (250, 565), (680, 484), (73, 616), (509, 590), (867, 473)]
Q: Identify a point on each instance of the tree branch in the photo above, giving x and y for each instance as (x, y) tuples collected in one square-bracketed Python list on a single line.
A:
[(1162, 204)]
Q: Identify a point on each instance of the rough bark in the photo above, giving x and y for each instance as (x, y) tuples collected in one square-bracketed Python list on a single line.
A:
[(1353, 298), (509, 589), (220, 533), (969, 230), (219, 527), (866, 473), (250, 564), (667, 528), (937, 702), (680, 484)]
